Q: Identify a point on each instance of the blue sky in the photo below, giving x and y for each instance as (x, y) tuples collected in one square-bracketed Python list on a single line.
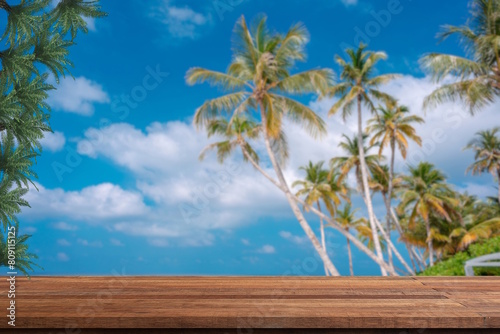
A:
[(121, 168)]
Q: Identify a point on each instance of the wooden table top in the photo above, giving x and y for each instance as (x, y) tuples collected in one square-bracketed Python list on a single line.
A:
[(256, 302)]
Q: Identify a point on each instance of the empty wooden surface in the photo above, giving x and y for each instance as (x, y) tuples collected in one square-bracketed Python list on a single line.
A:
[(421, 303)]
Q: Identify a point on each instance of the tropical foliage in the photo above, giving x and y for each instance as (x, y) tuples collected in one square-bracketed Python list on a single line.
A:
[(37, 38), (477, 76)]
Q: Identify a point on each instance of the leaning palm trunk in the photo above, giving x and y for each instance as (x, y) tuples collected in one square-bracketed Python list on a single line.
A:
[(349, 253), (293, 204), (393, 248), (322, 228), (366, 189), (334, 224), (429, 242), (390, 244)]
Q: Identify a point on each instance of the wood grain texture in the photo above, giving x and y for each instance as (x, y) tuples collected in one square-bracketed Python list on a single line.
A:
[(265, 304)]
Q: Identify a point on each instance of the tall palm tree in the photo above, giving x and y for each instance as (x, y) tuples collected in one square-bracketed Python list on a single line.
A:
[(351, 160), (393, 127), (347, 218), (425, 194), (317, 187), (360, 87), (486, 147), (258, 80), (478, 73)]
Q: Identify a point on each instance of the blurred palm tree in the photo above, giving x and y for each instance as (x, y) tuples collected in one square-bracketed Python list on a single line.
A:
[(351, 160), (425, 194), (258, 81), (316, 187), (359, 87), (486, 147), (347, 219), (478, 73)]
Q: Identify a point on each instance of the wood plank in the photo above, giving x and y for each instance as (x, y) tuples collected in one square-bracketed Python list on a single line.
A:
[(234, 303)]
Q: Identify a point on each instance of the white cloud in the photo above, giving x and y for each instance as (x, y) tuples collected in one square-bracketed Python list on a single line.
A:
[(191, 193), (77, 96), (62, 257), (294, 238), (245, 242), (86, 243), (116, 242), (90, 23), (481, 190), (53, 142), (158, 242), (63, 242), (348, 3), (64, 226), (91, 204), (266, 249), (181, 22), (28, 230)]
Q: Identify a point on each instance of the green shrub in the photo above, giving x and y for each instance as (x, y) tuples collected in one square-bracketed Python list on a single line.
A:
[(454, 266)]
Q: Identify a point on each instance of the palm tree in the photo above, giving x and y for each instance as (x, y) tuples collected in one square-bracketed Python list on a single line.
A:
[(347, 219), (426, 194), (258, 80), (392, 127), (351, 161), (235, 135), (478, 73), (317, 187), (359, 87), (486, 147)]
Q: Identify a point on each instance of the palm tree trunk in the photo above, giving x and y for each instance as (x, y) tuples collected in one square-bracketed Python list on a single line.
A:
[(390, 245), (294, 206), (349, 253), (336, 226), (429, 243), (322, 229), (388, 219), (366, 189), (389, 193)]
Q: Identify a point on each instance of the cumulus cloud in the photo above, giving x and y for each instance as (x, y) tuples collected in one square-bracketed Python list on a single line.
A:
[(77, 96), (53, 142), (116, 242), (348, 3), (266, 249), (63, 226), (181, 22), (62, 257), (164, 160), (91, 204), (63, 242), (294, 238), (86, 243)]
